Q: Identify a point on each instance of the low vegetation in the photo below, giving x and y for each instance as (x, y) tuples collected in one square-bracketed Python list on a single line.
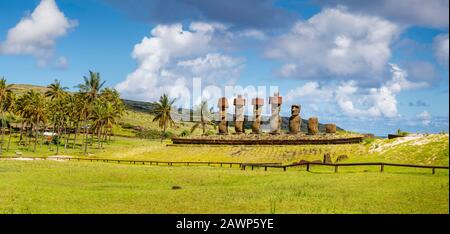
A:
[(72, 187)]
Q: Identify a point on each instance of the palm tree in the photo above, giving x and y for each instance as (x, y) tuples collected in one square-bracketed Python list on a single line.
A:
[(10, 108), (205, 118), (34, 111), (78, 113), (90, 91), (103, 116), (57, 95), (5, 94), (162, 110), (118, 107)]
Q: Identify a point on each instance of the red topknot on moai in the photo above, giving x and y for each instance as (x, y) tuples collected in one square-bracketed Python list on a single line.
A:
[(239, 104), (275, 119), (257, 108), (223, 123)]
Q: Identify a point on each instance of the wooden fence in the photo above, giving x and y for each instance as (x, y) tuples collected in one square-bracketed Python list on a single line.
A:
[(142, 162), (241, 165), (337, 165)]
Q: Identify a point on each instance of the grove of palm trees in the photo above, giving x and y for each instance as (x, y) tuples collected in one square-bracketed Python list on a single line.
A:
[(58, 117)]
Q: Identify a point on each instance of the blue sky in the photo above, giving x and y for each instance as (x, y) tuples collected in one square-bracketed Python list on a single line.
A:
[(369, 66)]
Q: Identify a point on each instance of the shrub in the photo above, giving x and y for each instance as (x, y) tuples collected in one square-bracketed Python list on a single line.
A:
[(368, 141), (55, 140), (402, 133), (209, 133), (185, 133), (126, 125), (149, 134), (168, 135)]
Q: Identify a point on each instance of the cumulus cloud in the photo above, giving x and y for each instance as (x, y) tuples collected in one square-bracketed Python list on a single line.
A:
[(354, 101), (424, 117), (441, 48), (335, 43), (430, 13), (62, 63), (169, 59), (36, 34)]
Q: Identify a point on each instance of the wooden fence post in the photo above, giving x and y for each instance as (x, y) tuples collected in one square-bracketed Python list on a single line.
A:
[(284, 168), (265, 168), (434, 170), (382, 167), (336, 168), (307, 167)]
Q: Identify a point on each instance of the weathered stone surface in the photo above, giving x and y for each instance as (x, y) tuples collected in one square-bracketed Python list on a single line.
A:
[(295, 120), (257, 108), (341, 158), (327, 158), (223, 123), (313, 125), (275, 119), (239, 104), (330, 128), (223, 103)]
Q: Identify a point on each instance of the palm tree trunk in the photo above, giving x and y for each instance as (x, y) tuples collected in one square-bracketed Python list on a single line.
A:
[(164, 132), (36, 136), (75, 137), (85, 134), (58, 139), (67, 136), (9, 139), (99, 130), (21, 131), (3, 132)]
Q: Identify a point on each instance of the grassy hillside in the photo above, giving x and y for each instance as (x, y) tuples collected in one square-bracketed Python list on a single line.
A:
[(23, 88)]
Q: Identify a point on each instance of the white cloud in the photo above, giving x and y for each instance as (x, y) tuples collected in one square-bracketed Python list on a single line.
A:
[(424, 117), (335, 43), (354, 101), (62, 63), (441, 48), (430, 13), (171, 57), (36, 34), (312, 91)]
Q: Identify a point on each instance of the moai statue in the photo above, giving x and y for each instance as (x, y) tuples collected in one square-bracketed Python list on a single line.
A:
[(330, 128), (313, 125), (295, 120), (257, 108), (239, 104), (275, 119), (223, 123)]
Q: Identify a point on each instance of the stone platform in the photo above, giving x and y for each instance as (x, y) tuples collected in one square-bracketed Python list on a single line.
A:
[(268, 139)]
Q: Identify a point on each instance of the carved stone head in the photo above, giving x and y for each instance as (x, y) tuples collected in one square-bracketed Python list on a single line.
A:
[(295, 110)]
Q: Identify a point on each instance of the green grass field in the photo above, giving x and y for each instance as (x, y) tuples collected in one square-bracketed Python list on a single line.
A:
[(72, 187), (45, 186)]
